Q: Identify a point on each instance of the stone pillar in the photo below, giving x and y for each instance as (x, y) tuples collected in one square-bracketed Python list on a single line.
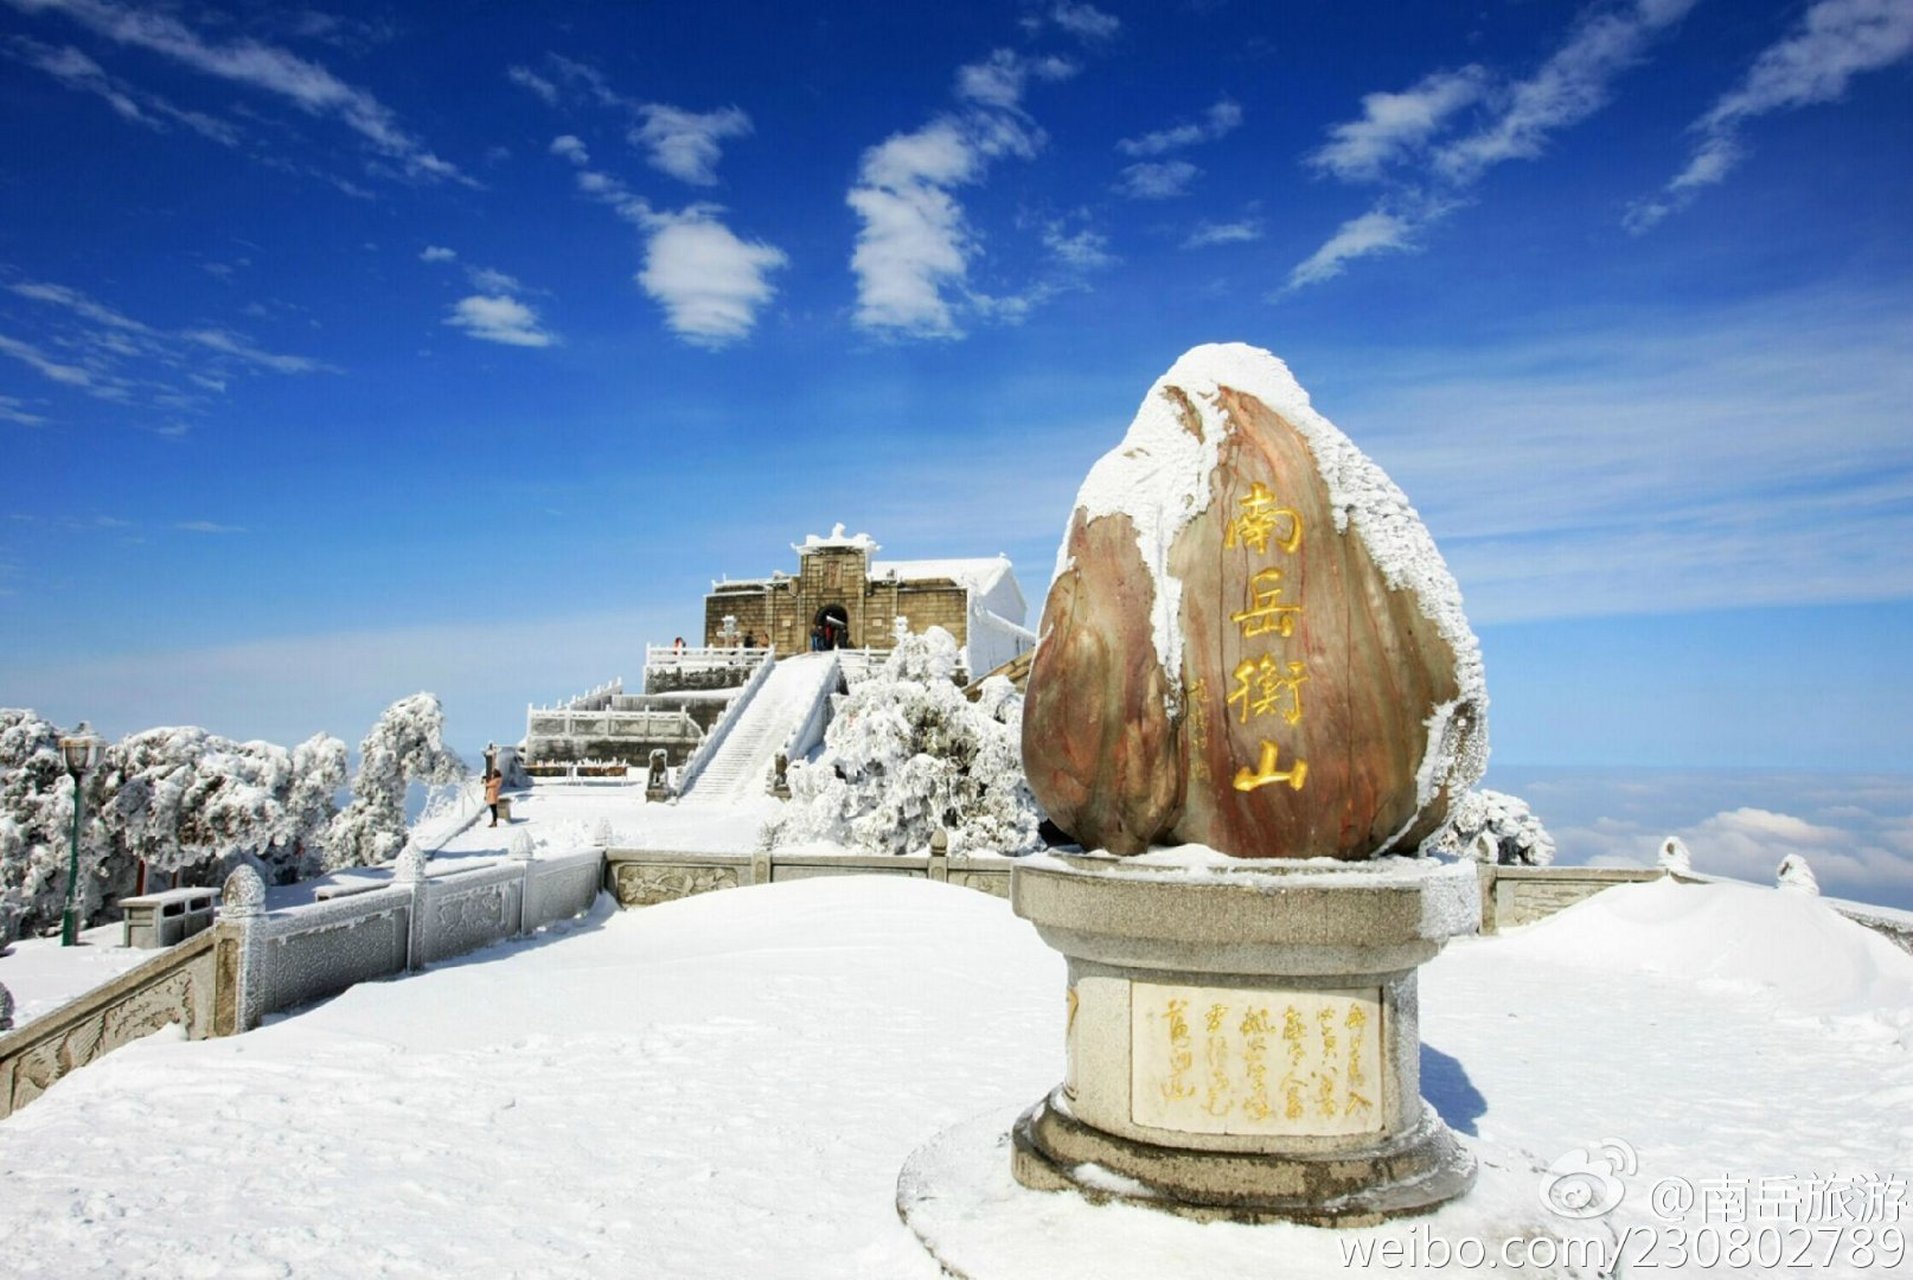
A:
[(238, 979), (1243, 1038)]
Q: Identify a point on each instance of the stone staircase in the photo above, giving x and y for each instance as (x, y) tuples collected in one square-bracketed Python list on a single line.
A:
[(741, 768)]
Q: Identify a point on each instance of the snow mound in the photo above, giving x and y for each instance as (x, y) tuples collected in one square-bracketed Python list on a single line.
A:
[(1788, 948)]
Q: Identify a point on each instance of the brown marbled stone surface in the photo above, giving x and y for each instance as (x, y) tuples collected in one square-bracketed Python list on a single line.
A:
[(1124, 755)]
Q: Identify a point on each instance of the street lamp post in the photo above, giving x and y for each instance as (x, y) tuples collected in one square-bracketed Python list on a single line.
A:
[(81, 751)]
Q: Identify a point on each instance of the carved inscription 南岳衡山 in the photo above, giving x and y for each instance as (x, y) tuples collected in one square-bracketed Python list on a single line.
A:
[(1268, 683), (1242, 1061)]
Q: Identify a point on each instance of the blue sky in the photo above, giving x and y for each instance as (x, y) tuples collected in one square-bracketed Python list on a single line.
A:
[(359, 349)]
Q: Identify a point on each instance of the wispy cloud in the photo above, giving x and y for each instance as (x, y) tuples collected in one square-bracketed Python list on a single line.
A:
[(78, 72), (305, 84), (228, 343), (1085, 249), (1400, 130), (120, 358), (503, 320), (914, 247), (1217, 122), (1662, 465), (15, 411), (1377, 231), (1157, 179), (207, 526), (1834, 41), (437, 253), (1211, 233), (688, 144), (1396, 126)]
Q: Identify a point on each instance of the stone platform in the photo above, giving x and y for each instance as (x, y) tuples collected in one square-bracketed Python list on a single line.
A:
[(1243, 1036)]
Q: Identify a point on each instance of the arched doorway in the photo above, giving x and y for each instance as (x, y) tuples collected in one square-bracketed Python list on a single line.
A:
[(831, 630)]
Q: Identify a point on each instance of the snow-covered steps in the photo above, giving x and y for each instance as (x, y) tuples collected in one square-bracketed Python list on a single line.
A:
[(741, 767)]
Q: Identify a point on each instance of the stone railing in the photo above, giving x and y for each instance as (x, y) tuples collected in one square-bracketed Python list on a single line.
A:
[(176, 985), (641, 877), (270, 961)]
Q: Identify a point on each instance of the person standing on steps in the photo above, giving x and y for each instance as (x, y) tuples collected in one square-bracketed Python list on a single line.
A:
[(494, 781)]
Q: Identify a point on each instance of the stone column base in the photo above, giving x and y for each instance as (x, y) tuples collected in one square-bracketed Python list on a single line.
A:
[(1408, 1173)]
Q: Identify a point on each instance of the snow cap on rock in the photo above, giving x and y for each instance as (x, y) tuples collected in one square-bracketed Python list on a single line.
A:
[(1795, 875)]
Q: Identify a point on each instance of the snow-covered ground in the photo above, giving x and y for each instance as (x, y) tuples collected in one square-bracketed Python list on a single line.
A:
[(729, 1085), (42, 975)]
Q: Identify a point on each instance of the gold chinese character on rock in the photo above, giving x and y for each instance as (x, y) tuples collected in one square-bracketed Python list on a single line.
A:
[(1260, 518), (1261, 688), (1266, 611), (1265, 771)]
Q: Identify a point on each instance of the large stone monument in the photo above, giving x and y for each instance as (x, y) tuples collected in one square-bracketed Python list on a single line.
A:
[(1254, 673)]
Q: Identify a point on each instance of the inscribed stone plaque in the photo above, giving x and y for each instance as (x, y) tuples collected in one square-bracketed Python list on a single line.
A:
[(1243, 1061)]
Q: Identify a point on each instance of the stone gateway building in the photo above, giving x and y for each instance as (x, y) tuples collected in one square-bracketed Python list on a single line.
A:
[(841, 597)]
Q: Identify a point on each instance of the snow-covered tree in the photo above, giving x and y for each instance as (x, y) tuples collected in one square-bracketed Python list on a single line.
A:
[(1491, 826), (192, 803), (406, 745), (1795, 876), (907, 753), (1674, 857)]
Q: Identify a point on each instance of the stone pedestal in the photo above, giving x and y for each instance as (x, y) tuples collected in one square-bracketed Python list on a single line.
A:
[(1243, 1036)]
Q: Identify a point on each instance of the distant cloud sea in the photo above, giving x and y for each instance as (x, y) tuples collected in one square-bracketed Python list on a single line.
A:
[(1855, 830)]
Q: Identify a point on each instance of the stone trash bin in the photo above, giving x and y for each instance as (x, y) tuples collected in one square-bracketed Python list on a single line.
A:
[(162, 919), (1243, 1037)]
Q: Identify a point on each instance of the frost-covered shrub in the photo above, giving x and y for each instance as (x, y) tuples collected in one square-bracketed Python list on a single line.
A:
[(907, 753), (1796, 876), (406, 745), (1675, 858), (1491, 826)]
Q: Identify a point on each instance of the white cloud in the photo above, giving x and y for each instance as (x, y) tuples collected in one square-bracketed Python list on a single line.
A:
[(1396, 125), (437, 253), (493, 281), (1211, 233), (999, 80), (207, 526), (711, 284), (503, 320), (913, 243), (686, 144), (1085, 21), (1157, 179), (1222, 118), (1834, 41), (1084, 250), (268, 68), (914, 246)]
